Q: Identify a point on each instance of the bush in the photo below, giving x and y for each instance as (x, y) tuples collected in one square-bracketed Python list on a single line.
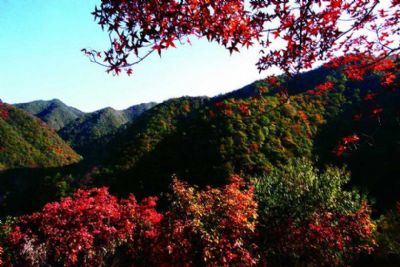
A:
[(83, 230), (307, 218), (214, 227), (302, 216)]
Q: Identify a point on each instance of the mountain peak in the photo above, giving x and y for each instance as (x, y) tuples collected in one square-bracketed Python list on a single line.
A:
[(54, 112)]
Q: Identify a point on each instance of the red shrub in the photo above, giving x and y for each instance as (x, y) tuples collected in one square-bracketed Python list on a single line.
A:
[(1, 255), (328, 239), (3, 111), (81, 230), (215, 227)]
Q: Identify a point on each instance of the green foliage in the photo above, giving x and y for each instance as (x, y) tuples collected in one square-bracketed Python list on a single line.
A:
[(27, 142), (88, 133), (199, 138), (297, 189), (54, 112), (19, 187), (151, 147), (85, 132), (388, 236), (306, 217)]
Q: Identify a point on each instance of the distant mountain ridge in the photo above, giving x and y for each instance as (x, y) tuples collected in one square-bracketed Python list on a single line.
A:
[(54, 112), (86, 131), (297, 84), (83, 130)]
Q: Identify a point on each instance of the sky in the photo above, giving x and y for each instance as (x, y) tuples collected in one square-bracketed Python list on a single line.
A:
[(40, 43)]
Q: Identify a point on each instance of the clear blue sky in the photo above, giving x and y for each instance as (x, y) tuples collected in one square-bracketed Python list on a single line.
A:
[(40, 42)]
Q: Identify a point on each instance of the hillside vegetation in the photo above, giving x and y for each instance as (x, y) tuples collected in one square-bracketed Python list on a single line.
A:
[(28, 142), (83, 131), (91, 129), (53, 112), (204, 140)]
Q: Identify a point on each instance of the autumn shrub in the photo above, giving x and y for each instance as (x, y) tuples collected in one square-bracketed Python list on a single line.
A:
[(5, 229), (4, 112), (307, 218), (302, 216), (83, 230), (211, 227), (1, 255)]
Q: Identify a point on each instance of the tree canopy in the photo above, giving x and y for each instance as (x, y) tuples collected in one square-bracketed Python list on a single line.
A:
[(289, 31)]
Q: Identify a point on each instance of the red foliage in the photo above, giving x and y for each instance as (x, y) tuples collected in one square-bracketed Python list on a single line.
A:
[(4, 111), (1, 255), (273, 80), (356, 67), (226, 108), (302, 115), (388, 79), (384, 65), (186, 108), (328, 239), (350, 139), (211, 227), (375, 111), (221, 105), (215, 227), (370, 96), (322, 88), (158, 25), (244, 108), (345, 144), (254, 147), (339, 151), (138, 28), (81, 230), (357, 117)]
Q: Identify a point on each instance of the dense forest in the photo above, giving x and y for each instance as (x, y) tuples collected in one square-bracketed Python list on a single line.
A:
[(318, 164)]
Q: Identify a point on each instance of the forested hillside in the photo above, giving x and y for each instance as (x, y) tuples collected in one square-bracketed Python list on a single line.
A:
[(28, 142), (204, 140), (53, 112), (83, 131), (92, 129)]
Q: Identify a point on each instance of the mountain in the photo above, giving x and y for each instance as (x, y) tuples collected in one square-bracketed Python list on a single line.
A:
[(92, 129), (83, 130), (134, 111), (297, 84), (204, 140), (88, 133), (54, 112), (28, 142)]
